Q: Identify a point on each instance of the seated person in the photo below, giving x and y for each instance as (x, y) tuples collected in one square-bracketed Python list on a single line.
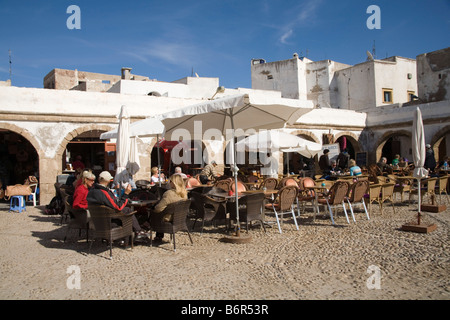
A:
[(81, 192), (179, 172), (208, 173), (382, 164), (176, 193), (156, 176), (102, 195), (354, 169), (334, 171)]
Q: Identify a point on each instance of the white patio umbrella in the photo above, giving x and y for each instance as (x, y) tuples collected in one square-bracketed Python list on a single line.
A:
[(269, 140), (275, 140), (307, 149), (149, 127), (418, 152), (234, 112)]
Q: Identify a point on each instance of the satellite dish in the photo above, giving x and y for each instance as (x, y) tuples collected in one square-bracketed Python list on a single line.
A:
[(369, 56)]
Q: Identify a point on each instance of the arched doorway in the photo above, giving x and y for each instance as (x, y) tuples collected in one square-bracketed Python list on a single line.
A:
[(94, 153), (397, 143), (18, 158), (441, 143)]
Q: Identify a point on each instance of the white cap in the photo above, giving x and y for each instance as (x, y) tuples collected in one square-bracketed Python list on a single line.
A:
[(106, 176)]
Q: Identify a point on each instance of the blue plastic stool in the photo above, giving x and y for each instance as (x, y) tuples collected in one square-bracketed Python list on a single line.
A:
[(17, 204)]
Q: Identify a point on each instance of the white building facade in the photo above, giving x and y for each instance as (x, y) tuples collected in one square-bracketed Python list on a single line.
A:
[(346, 104)]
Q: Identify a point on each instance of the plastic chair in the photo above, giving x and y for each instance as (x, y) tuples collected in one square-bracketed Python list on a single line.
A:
[(17, 204), (34, 192)]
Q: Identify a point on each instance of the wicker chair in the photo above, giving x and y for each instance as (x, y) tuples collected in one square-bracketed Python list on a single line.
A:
[(441, 188), (241, 186), (356, 196), (143, 184), (401, 185), (252, 179), (104, 228), (427, 189), (207, 208), (65, 198), (335, 197), (178, 210), (387, 194), (373, 195), (79, 219), (284, 204), (251, 207), (192, 182), (223, 184), (269, 183), (306, 195), (287, 182)]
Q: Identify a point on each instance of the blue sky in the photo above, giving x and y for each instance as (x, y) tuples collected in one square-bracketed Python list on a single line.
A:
[(166, 40)]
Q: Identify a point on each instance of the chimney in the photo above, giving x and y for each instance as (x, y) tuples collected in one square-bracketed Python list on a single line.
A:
[(126, 73)]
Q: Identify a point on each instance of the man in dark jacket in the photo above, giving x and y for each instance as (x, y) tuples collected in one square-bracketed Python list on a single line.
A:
[(430, 160), (324, 162), (102, 195)]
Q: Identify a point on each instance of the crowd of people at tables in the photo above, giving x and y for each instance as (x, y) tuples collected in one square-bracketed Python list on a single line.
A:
[(106, 192)]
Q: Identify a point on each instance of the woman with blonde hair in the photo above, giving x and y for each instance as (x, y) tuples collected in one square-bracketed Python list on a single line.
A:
[(176, 193), (354, 169), (156, 175)]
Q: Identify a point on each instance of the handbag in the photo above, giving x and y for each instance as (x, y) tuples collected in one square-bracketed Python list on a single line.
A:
[(17, 190)]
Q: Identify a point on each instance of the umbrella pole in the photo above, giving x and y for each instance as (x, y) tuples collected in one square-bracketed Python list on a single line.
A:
[(418, 201), (237, 238), (159, 162), (238, 225)]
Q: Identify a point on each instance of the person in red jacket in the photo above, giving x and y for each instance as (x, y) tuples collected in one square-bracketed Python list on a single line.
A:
[(101, 194), (81, 192)]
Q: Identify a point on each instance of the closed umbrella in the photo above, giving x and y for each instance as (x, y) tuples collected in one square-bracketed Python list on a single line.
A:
[(122, 145), (418, 152), (240, 111)]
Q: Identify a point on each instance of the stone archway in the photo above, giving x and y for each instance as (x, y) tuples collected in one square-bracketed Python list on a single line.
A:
[(308, 134), (42, 160), (24, 133), (75, 133), (441, 143), (385, 137)]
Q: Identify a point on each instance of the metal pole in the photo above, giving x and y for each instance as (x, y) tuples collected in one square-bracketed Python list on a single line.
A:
[(418, 193), (159, 162), (238, 230)]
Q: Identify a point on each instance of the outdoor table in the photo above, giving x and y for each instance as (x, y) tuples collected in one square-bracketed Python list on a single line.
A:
[(141, 203)]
